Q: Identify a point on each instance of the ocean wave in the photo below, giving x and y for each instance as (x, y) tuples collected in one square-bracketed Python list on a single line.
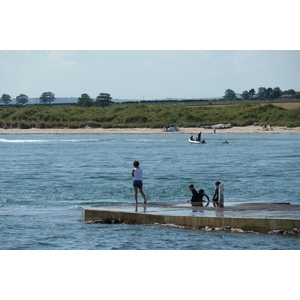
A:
[(54, 141), (22, 141)]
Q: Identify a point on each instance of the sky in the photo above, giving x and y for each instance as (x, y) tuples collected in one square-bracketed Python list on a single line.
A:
[(146, 74), (148, 49)]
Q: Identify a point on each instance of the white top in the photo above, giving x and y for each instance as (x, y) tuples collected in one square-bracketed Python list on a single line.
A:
[(138, 174)]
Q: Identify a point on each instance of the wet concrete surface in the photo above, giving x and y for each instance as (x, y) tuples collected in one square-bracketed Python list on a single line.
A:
[(230, 209)]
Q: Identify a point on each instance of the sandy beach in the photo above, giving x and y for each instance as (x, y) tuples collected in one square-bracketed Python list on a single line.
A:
[(188, 131)]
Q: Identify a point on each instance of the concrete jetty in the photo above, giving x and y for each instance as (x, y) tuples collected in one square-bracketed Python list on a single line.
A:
[(234, 216)]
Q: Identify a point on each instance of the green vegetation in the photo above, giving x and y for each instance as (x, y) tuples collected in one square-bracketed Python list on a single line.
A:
[(147, 116), (262, 94), (47, 98)]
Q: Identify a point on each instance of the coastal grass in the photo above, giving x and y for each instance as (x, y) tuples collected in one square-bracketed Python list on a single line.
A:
[(147, 116)]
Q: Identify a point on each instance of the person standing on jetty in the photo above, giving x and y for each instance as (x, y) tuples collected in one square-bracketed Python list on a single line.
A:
[(216, 194), (137, 173)]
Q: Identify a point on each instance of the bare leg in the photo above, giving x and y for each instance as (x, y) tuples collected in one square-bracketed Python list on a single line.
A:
[(143, 195), (136, 194)]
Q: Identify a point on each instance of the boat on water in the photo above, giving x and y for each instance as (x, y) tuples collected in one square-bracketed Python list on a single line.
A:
[(197, 142)]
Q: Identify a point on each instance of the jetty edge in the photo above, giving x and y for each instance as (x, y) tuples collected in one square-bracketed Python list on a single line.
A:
[(273, 218)]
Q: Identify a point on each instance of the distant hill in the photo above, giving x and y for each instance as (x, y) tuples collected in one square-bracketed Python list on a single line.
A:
[(74, 99), (57, 100)]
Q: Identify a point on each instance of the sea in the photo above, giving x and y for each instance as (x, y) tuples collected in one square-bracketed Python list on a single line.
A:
[(47, 180)]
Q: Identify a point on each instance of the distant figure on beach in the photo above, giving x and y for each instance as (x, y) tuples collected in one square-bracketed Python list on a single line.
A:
[(137, 173), (216, 194)]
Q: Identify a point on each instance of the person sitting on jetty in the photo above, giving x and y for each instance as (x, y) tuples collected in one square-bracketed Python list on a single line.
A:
[(201, 195), (195, 196)]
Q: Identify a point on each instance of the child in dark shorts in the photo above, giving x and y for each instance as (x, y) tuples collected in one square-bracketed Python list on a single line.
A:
[(137, 181)]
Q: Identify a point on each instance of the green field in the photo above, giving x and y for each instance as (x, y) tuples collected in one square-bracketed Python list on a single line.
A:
[(148, 116)]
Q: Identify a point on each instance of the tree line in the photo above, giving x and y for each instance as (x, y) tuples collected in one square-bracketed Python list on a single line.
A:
[(102, 100), (262, 94)]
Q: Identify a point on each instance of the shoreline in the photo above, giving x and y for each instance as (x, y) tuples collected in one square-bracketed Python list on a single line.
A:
[(189, 131)]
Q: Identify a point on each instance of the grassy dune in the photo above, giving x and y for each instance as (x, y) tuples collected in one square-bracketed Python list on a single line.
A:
[(149, 116)]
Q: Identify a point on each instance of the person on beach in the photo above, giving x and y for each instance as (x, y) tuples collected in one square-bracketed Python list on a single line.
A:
[(137, 173), (216, 194)]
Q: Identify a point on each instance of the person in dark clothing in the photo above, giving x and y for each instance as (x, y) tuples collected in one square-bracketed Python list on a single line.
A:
[(216, 194), (195, 195), (195, 200), (201, 195), (199, 137)]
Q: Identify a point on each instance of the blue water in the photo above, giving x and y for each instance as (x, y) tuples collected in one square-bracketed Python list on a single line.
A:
[(47, 180)]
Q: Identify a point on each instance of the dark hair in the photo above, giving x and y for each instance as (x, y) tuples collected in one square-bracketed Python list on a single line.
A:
[(201, 191), (218, 182), (136, 163), (191, 185)]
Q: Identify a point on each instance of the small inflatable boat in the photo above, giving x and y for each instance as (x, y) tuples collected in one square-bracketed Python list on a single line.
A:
[(197, 142)]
